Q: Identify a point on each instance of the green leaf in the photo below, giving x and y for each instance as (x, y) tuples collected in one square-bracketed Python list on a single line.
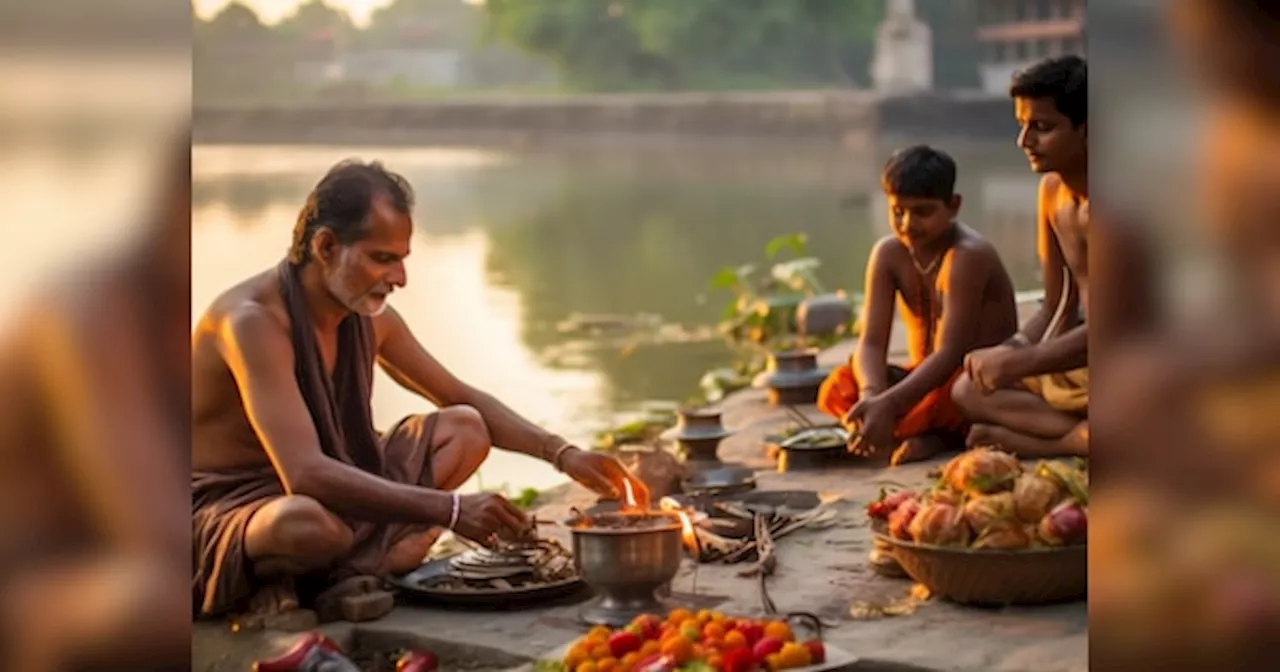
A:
[(725, 278), (796, 242)]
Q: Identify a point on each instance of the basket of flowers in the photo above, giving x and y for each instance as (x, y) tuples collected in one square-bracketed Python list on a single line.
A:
[(992, 531)]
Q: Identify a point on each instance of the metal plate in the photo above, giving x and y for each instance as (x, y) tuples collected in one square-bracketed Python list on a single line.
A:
[(524, 596)]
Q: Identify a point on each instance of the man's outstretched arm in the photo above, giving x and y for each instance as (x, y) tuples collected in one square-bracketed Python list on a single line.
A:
[(257, 347), (409, 364)]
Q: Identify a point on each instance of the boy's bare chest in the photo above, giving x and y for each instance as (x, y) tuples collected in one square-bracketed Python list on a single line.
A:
[(1071, 227)]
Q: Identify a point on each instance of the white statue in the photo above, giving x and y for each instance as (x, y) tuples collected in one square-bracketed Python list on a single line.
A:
[(904, 51)]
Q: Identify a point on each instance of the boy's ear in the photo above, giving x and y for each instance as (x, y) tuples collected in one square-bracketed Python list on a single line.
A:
[(956, 200)]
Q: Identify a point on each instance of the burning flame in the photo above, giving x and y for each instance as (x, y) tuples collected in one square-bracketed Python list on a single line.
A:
[(629, 497), (668, 504), (687, 533)]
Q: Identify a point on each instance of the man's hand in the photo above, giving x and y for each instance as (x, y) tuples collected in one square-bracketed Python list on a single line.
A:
[(484, 517), (871, 424), (603, 474), (991, 369)]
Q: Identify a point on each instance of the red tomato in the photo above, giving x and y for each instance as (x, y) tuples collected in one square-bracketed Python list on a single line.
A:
[(621, 643), (817, 652), (766, 647)]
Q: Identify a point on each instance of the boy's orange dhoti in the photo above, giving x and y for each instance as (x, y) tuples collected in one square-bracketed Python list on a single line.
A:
[(936, 412)]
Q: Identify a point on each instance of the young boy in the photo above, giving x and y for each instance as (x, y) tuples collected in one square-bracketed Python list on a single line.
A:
[(954, 296), (1030, 396)]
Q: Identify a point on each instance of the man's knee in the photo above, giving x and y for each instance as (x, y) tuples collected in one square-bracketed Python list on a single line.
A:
[(297, 526), (467, 427)]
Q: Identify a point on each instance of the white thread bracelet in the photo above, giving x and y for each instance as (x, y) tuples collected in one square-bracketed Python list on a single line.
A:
[(457, 509), (555, 459)]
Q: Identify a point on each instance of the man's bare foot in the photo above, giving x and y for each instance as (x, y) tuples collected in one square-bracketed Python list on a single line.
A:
[(917, 448), (274, 598), (275, 607)]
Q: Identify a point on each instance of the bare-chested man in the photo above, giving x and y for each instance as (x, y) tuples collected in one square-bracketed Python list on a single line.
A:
[(952, 293), (290, 480), (1030, 395)]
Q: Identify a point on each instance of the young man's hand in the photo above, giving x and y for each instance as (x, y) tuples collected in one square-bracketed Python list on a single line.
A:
[(871, 422), (991, 369)]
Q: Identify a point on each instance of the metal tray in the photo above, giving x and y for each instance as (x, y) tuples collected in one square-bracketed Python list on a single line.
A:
[(524, 596)]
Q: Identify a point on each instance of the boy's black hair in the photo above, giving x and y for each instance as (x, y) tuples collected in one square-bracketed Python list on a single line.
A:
[(920, 171), (1065, 79)]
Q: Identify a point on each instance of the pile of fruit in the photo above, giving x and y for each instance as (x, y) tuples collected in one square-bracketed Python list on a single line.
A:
[(985, 499), (705, 641)]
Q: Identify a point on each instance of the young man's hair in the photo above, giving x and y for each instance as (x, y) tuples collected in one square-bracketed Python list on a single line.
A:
[(1064, 79), (919, 171), (342, 201)]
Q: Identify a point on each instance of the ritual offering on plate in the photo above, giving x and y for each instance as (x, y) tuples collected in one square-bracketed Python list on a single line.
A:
[(509, 566)]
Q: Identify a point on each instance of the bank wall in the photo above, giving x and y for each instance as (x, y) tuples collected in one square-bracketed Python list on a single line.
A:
[(851, 118)]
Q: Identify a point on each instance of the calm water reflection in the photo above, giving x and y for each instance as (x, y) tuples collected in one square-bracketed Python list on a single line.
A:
[(509, 245)]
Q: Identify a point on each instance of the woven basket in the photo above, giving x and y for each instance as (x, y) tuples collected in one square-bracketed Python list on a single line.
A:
[(996, 577)]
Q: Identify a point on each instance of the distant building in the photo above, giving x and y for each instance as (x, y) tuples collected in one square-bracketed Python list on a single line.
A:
[(1017, 33)]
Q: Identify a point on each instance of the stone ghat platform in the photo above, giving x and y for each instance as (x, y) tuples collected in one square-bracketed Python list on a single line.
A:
[(823, 571)]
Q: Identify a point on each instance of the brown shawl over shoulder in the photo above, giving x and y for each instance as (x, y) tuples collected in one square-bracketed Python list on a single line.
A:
[(223, 502)]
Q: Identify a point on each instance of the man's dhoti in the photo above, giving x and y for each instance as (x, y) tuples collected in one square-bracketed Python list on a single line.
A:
[(222, 503)]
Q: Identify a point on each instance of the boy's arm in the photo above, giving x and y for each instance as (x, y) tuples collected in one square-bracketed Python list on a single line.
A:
[(1051, 265), (871, 357), (961, 308)]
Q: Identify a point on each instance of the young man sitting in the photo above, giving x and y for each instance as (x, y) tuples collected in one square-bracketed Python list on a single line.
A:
[(954, 296)]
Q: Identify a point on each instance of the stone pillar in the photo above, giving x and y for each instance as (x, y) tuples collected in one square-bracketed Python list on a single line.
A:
[(903, 60)]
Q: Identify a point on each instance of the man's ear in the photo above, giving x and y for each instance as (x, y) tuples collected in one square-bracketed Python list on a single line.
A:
[(956, 201), (323, 244)]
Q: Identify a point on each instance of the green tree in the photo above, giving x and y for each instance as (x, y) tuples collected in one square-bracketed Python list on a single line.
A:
[(679, 44)]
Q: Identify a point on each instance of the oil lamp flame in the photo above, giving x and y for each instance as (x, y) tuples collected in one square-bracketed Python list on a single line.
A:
[(629, 497), (688, 535), (669, 504)]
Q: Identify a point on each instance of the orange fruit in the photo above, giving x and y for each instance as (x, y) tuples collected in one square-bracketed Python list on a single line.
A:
[(679, 648), (577, 655), (735, 640), (715, 662), (607, 665), (586, 667), (794, 655), (712, 643), (780, 630), (629, 661), (600, 652), (713, 630), (691, 632), (704, 614), (679, 616), (649, 648), (774, 662), (599, 632)]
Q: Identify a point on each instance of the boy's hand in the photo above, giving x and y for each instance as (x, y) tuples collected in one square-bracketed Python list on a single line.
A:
[(871, 422), (991, 369)]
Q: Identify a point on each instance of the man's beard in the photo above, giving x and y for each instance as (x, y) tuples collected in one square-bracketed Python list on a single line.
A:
[(367, 303)]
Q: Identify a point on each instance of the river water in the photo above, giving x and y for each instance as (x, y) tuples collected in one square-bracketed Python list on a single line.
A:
[(508, 245)]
